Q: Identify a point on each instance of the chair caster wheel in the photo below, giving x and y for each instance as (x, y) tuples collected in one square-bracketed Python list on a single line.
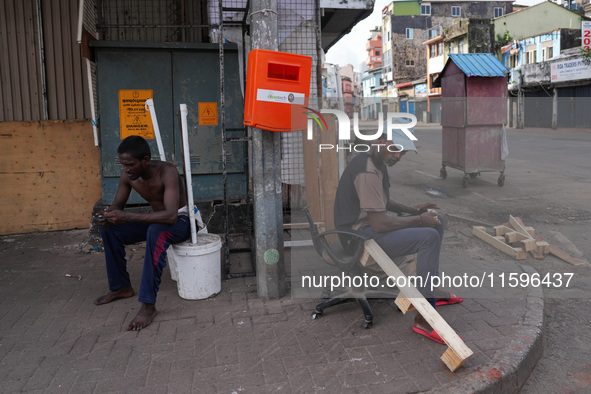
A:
[(366, 324), (316, 315)]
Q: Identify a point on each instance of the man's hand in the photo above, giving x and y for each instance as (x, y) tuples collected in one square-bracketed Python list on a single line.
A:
[(115, 217), (429, 220), (425, 207), (101, 220)]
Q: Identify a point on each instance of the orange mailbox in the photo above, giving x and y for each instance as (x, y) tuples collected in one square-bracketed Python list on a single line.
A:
[(275, 83)]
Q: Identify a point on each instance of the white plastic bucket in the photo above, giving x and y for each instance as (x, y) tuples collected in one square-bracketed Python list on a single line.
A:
[(170, 257), (198, 267)]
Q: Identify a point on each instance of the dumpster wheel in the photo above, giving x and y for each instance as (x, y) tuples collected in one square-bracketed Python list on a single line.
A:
[(443, 173), (501, 180)]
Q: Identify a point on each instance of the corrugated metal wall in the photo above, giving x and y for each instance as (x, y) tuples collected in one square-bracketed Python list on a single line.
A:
[(153, 20), (27, 29), (64, 70), (43, 76), (21, 95)]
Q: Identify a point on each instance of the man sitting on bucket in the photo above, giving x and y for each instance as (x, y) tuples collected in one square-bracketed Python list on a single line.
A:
[(363, 203), (160, 185)]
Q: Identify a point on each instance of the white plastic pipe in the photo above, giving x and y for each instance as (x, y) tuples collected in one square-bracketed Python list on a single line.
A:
[(187, 161), (152, 110)]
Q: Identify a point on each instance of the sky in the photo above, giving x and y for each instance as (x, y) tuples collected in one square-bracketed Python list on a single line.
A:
[(351, 48)]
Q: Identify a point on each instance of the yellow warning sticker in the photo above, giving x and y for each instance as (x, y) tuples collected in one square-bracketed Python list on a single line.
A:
[(134, 118), (208, 114)]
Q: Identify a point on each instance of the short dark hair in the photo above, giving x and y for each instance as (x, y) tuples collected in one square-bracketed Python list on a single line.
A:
[(136, 146)]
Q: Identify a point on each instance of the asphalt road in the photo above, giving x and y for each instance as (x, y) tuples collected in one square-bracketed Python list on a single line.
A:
[(548, 185)]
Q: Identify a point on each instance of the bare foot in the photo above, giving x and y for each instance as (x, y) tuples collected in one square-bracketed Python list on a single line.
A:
[(143, 318), (124, 292)]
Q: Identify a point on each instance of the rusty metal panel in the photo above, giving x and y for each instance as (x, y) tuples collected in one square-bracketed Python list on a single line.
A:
[(20, 88), (483, 149), (66, 91), (449, 145), (486, 103)]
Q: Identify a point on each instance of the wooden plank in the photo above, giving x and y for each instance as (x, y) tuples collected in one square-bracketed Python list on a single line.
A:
[(528, 244), (404, 304), (513, 236), (527, 241), (329, 175), (295, 244), (566, 257), (537, 255), (302, 226), (312, 177), (518, 226), (516, 253), (542, 246), (366, 259), (459, 350), (502, 230)]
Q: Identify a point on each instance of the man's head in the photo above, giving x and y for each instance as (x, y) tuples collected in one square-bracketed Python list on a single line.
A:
[(135, 146), (134, 154), (395, 148)]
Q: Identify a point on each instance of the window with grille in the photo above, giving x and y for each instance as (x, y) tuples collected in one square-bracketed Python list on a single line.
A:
[(455, 11), (498, 12), (425, 9)]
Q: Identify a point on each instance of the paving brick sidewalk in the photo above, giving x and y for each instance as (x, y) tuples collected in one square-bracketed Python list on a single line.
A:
[(54, 339)]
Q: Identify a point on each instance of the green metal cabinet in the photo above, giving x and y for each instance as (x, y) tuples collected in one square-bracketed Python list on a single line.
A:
[(177, 73)]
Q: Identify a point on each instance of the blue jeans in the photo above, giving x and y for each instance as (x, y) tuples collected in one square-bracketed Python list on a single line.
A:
[(158, 237), (425, 241)]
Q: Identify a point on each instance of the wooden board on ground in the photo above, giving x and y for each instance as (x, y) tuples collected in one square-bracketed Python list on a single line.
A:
[(565, 256), (517, 253), (457, 352)]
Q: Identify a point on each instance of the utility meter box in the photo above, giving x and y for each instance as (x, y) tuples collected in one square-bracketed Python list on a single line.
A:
[(275, 83)]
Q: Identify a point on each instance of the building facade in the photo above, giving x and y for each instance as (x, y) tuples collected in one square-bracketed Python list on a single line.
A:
[(408, 24), (374, 49)]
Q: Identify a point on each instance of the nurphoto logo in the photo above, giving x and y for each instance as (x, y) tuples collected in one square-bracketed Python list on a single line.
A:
[(344, 129)]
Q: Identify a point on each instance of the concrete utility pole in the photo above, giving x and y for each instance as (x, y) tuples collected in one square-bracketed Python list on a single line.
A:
[(266, 173)]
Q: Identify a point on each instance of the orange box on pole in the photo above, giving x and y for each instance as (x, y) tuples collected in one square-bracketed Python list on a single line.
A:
[(275, 83)]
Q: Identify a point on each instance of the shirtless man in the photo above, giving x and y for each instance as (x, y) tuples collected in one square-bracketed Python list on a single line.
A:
[(159, 184)]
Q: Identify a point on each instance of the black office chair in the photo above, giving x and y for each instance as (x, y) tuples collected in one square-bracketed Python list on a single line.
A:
[(334, 254)]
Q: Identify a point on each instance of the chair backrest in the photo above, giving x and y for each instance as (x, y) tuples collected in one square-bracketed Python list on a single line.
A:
[(335, 252)]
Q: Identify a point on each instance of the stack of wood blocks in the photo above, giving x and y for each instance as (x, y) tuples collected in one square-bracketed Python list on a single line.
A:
[(516, 240)]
